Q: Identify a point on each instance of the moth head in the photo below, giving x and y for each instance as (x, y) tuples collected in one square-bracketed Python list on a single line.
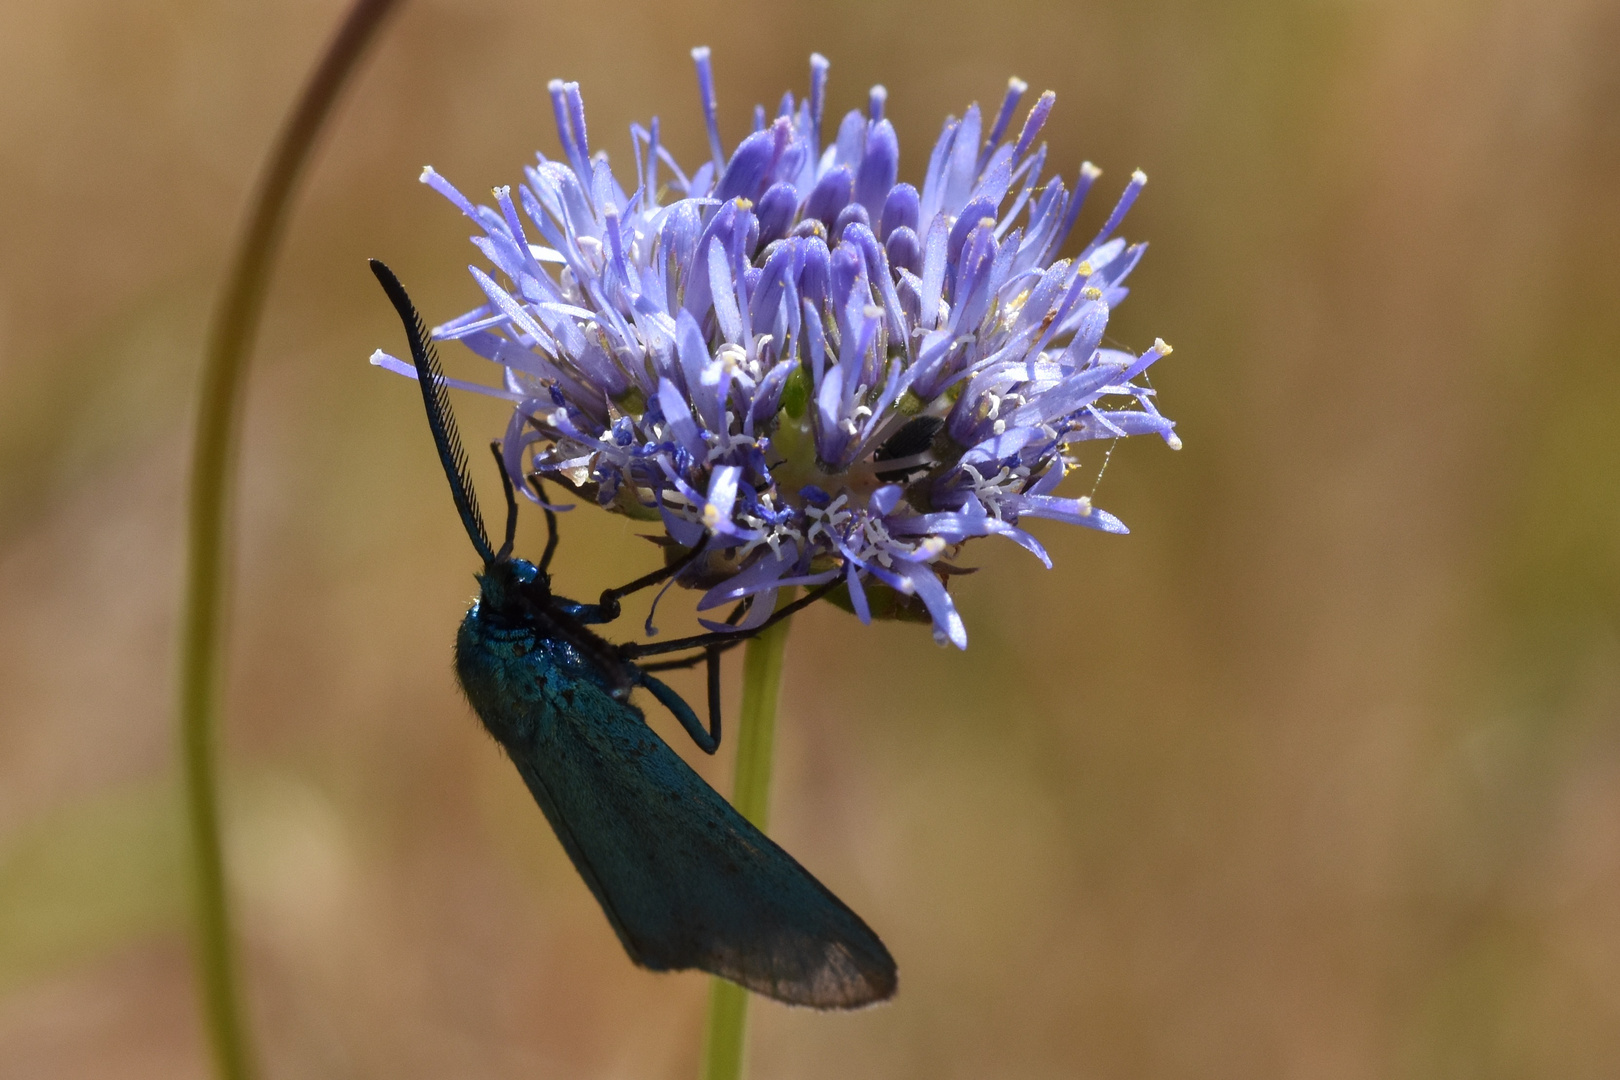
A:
[(514, 589)]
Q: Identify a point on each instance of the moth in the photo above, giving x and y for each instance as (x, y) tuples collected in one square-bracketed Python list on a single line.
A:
[(684, 880)]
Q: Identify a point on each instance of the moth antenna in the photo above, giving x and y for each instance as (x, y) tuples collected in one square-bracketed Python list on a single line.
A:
[(441, 421)]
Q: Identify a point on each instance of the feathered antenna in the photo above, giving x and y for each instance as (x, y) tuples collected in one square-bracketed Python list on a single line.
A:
[(441, 420)]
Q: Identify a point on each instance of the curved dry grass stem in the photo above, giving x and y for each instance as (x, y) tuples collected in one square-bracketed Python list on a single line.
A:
[(236, 318)]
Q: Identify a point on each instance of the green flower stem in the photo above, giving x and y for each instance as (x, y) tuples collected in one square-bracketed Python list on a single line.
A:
[(751, 795), (219, 407)]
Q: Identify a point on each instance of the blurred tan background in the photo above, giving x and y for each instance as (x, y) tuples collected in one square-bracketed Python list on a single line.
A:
[(1317, 774)]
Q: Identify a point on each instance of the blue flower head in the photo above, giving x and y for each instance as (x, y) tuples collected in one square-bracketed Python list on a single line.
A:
[(788, 357)]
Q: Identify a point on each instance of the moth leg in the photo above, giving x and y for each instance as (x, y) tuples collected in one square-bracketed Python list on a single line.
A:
[(692, 661), (632, 649), (610, 597), (713, 651), (551, 521), (711, 657), (687, 662), (707, 741), (606, 609), (511, 507), (511, 511), (739, 611)]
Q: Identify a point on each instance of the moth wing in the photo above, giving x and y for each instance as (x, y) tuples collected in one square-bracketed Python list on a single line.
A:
[(685, 880)]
